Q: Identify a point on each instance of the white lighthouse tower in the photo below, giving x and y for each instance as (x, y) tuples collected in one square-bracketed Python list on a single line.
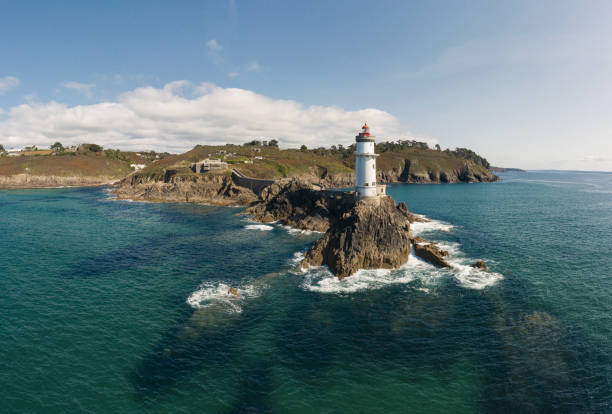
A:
[(365, 165)]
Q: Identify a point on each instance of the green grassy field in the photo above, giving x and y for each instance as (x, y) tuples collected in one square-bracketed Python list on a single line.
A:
[(278, 163)]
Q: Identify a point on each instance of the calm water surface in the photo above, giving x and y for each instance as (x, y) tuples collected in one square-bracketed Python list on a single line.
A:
[(112, 306)]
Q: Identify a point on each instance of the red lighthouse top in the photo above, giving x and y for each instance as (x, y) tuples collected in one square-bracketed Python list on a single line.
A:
[(364, 135), (366, 130)]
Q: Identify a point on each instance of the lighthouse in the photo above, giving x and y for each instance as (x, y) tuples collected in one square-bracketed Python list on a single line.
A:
[(365, 165)]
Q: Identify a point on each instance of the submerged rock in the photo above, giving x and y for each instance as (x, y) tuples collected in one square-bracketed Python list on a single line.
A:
[(372, 235), (480, 264)]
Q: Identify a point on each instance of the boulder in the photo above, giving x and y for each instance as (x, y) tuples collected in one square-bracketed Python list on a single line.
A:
[(480, 265), (430, 252)]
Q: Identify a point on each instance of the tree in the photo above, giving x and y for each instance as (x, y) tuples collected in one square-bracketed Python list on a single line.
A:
[(95, 148), (438, 147), (2, 148), (273, 143), (303, 148), (57, 147)]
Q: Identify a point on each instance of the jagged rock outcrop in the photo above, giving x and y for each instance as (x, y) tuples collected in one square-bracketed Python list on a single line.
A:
[(430, 252), (372, 235), (480, 264), (197, 188), (294, 202), (366, 234)]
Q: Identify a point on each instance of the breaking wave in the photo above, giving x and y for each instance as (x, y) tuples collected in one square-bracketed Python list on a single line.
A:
[(415, 272), (263, 227), (430, 226), (217, 293), (294, 231)]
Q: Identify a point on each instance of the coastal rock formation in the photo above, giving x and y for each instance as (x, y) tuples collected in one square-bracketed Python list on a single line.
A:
[(197, 188), (372, 235), (366, 234), (295, 203), (42, 181), (413, 171), (480, 264), (430, 252)]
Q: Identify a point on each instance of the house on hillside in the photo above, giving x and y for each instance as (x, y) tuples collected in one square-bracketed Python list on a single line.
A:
[(209, 164)]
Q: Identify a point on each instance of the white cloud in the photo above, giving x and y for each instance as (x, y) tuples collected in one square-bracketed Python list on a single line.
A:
[(7, 83), (84, 88), (181, 115), (214, 50), (253, 67)]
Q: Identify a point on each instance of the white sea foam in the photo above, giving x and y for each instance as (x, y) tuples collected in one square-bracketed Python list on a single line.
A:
[(320, 279), (210, 293), (263, 227), (466, 275), (294, 231), (422, 275), (472, 278), (297, 259), (429, 226)]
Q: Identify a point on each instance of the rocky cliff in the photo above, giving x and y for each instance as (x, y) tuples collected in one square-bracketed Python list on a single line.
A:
[(297, 204), (366, 234), (215, 189), (43, 181), (374, 234)]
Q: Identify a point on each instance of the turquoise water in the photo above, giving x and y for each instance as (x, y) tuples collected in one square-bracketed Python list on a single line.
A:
[(112, 306)]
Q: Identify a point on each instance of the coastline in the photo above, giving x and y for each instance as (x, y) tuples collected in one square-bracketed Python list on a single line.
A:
[(26, 181)]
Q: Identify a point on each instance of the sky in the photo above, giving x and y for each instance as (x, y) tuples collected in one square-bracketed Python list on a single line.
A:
[(526, 84)]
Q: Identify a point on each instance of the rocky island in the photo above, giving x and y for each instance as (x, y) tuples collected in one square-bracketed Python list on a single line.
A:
[(364, 229)]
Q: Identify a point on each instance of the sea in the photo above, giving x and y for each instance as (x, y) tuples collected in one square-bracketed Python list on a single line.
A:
[(111, 306)]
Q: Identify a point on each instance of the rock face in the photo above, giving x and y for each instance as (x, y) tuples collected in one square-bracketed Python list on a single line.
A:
[(480, 265), (295, 203), (430, 252), (366, 234), (413, 171), (34, 181), (197, 188), (372, 235)]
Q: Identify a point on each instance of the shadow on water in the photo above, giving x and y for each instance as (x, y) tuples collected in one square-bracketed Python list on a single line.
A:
[(204, 340), (208, 341), (529, 361)]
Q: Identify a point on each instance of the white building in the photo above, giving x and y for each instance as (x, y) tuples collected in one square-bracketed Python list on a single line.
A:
[(209, 164), (365, 166)]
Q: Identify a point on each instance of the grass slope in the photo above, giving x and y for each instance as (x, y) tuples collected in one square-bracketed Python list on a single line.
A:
[(292, 162)]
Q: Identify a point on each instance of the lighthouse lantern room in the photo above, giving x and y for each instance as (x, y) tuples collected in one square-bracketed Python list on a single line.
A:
[(365, 165)]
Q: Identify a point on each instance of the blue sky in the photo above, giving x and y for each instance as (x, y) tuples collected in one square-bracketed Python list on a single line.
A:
[(524, 83)]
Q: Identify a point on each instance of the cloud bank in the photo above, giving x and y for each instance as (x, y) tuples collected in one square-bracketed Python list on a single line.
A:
[(180, 115)]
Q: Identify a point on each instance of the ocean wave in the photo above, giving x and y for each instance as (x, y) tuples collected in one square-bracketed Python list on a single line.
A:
[(422, 275), (429, 226), (263, 227), (321, 279), (473, 278), (210, 293), (294, 231)]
